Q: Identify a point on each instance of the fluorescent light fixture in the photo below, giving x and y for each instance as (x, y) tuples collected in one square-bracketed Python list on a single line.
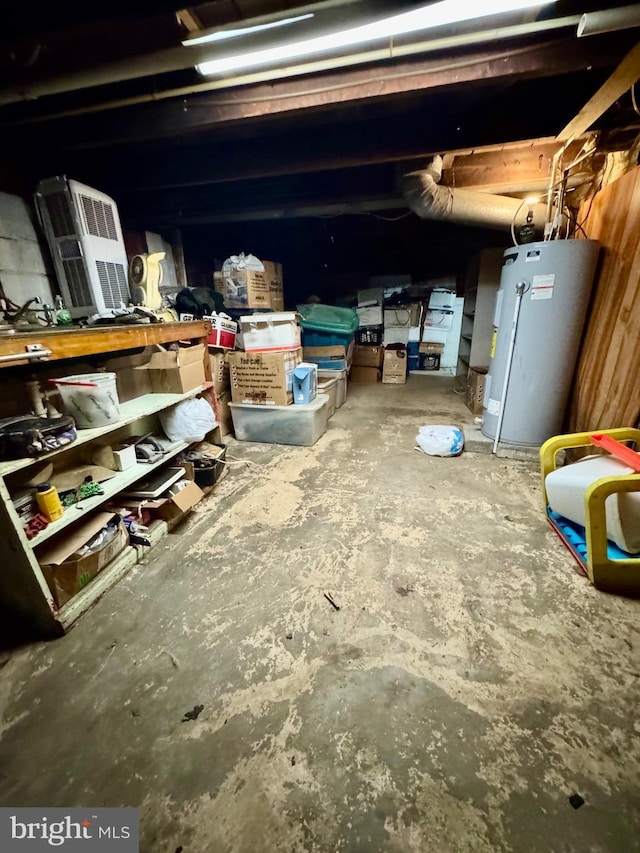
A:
[(221, 35), (435, 15)]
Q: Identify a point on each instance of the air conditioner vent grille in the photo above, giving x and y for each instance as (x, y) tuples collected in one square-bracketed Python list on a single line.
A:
[(113, 283), (99, 218), (60, 214), (69, 249), (77, 282)]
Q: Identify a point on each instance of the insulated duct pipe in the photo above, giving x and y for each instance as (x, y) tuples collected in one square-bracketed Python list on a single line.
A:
[(428, 200)]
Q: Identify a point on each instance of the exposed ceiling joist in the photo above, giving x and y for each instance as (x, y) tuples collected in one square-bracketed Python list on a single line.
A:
[(327, 209), (189, 20), (625, 76), (343, 88)]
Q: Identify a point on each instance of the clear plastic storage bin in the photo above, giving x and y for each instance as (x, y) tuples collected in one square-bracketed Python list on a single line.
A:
[(301, 425)]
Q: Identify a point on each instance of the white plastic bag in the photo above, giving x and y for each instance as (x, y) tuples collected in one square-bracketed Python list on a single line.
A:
[(438, 440), (188, 421), (241, 262)]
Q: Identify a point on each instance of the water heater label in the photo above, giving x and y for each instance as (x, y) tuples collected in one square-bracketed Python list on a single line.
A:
[(493, 407), (542, 286)]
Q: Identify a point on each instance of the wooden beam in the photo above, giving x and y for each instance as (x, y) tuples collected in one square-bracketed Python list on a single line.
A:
[(303, 153), (507, 169), (189, 20), (335, 88), (291, 211), (625, 75)]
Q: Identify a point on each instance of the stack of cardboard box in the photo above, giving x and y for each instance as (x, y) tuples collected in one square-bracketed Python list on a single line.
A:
[(437, 323), (370, 316), (221, 390), (367, 363), (262, 375)]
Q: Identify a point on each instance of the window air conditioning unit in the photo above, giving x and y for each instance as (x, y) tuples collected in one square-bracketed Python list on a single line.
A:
[(83, 230)]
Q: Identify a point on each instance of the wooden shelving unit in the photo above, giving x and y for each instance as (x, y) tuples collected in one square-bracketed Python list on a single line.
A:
[(24, 593), (482, 284)]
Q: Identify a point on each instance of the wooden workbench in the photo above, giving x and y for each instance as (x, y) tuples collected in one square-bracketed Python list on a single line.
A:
[(75, 342), (25, 597)]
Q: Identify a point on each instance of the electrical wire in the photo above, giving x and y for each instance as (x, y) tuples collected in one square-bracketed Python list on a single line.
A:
[(363, 213), (513, 223)]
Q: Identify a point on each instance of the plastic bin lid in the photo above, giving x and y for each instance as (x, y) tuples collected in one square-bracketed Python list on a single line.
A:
[(269, 317), (328, 318)]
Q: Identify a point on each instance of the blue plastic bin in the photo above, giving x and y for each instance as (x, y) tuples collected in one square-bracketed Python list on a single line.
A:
[(327, 325)]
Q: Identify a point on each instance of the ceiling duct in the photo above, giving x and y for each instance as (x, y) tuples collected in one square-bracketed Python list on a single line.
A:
[(429, 200)]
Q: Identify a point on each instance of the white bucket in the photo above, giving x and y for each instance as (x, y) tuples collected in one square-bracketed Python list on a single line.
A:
[(90, 398), (566, 488)]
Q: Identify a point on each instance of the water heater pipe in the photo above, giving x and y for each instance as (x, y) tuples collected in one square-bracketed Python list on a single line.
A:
[(520, 289)]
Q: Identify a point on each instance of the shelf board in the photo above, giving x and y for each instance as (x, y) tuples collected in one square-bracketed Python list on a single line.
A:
[(466, 337), (469, 313), (111, 488), (463, 359), (130, 411)]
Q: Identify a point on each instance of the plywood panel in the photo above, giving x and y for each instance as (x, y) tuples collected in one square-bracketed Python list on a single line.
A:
[(607, 383)]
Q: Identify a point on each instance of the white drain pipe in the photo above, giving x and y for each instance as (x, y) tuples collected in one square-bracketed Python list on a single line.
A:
[(520, 289)]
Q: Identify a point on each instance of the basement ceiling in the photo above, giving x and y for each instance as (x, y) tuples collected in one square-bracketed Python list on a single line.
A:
[(109, 96)]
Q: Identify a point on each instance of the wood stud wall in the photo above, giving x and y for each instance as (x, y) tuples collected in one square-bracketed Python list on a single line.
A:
[(607, 381)]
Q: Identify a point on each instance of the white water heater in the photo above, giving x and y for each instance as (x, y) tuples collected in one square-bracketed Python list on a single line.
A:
[(540, 314)]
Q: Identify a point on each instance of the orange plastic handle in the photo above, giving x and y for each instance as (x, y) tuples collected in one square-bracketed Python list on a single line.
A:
[(617, 449)]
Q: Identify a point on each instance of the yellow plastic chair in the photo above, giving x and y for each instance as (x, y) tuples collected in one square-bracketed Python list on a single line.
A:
[(607, 567)]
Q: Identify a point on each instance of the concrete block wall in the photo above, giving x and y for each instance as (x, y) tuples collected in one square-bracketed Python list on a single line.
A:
[(23, 273)]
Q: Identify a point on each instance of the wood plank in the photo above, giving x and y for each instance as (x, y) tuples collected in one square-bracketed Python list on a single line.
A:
[(625, 75), (103, 339), (607, 381)]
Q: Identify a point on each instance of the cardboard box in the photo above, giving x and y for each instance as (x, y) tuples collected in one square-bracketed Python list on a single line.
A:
[(65, 571), (263, 378), (434, 336), (476, 381), (394, 366), (131, 382), (252, 288), (371, 296), (174, 372), (442, 299), (400, 316), (438, 318), (173, 508), (396, 336), (328, 358), (371, 316), (362, 375), (219, 370), (270, 332), (168, 509), (367, 356), (431, 349), (223, 415), (223, 331)]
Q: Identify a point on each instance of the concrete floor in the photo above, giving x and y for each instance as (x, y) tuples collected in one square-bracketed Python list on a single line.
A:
[(470, 682)]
